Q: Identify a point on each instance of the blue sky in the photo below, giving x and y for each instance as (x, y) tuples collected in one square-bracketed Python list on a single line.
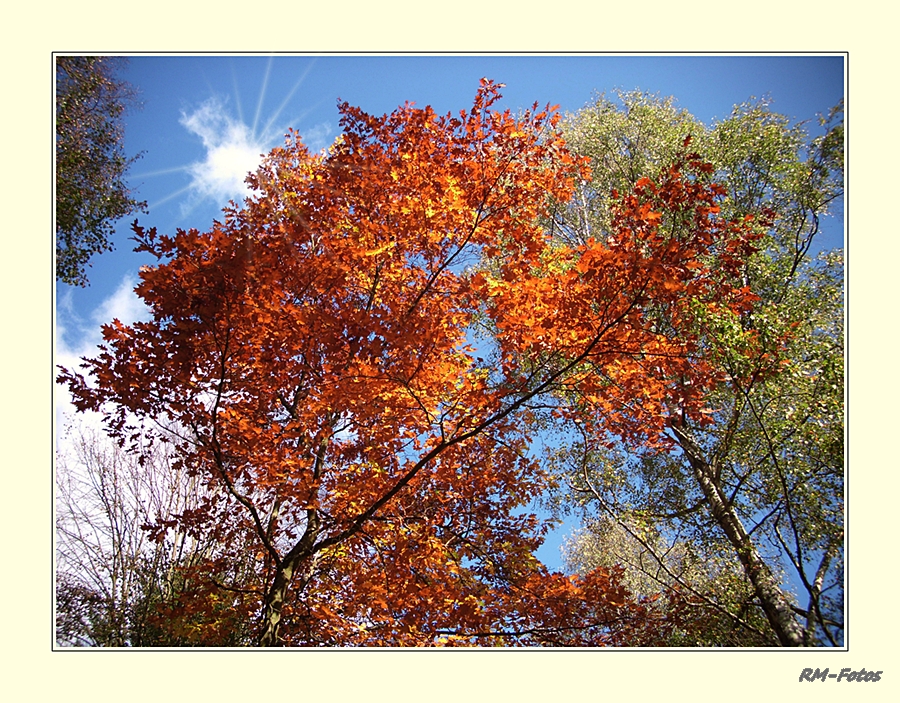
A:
[(205, 120)]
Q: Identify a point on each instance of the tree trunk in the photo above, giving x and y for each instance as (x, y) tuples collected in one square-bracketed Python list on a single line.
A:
[(284, 574), (776, 607)]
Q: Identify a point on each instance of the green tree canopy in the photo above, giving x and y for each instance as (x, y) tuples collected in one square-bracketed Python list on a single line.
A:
[(91, 192), (758, 482)]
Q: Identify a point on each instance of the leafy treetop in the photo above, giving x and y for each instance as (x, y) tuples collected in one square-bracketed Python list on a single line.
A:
[(317, 349)]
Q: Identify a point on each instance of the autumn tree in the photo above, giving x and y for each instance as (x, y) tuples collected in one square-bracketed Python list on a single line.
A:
[(357, 361), (91, 192), (759, 476)]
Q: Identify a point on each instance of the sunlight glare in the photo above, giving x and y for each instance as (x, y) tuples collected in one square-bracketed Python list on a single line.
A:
[(232, 151)]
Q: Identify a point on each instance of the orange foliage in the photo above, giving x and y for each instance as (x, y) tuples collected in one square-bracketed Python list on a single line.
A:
[(317, 349)]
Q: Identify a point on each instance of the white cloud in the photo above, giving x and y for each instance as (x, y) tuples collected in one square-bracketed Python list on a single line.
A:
[(317, 138), (122, 305), (77, 338), (232, 151)]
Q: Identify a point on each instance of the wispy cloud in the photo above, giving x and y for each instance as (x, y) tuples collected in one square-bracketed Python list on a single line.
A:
[(78, 337), (234, 149), (318, 137), (232, 152), (122, 305)]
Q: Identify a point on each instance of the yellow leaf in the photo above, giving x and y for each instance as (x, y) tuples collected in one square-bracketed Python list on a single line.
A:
[(379, 250)]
